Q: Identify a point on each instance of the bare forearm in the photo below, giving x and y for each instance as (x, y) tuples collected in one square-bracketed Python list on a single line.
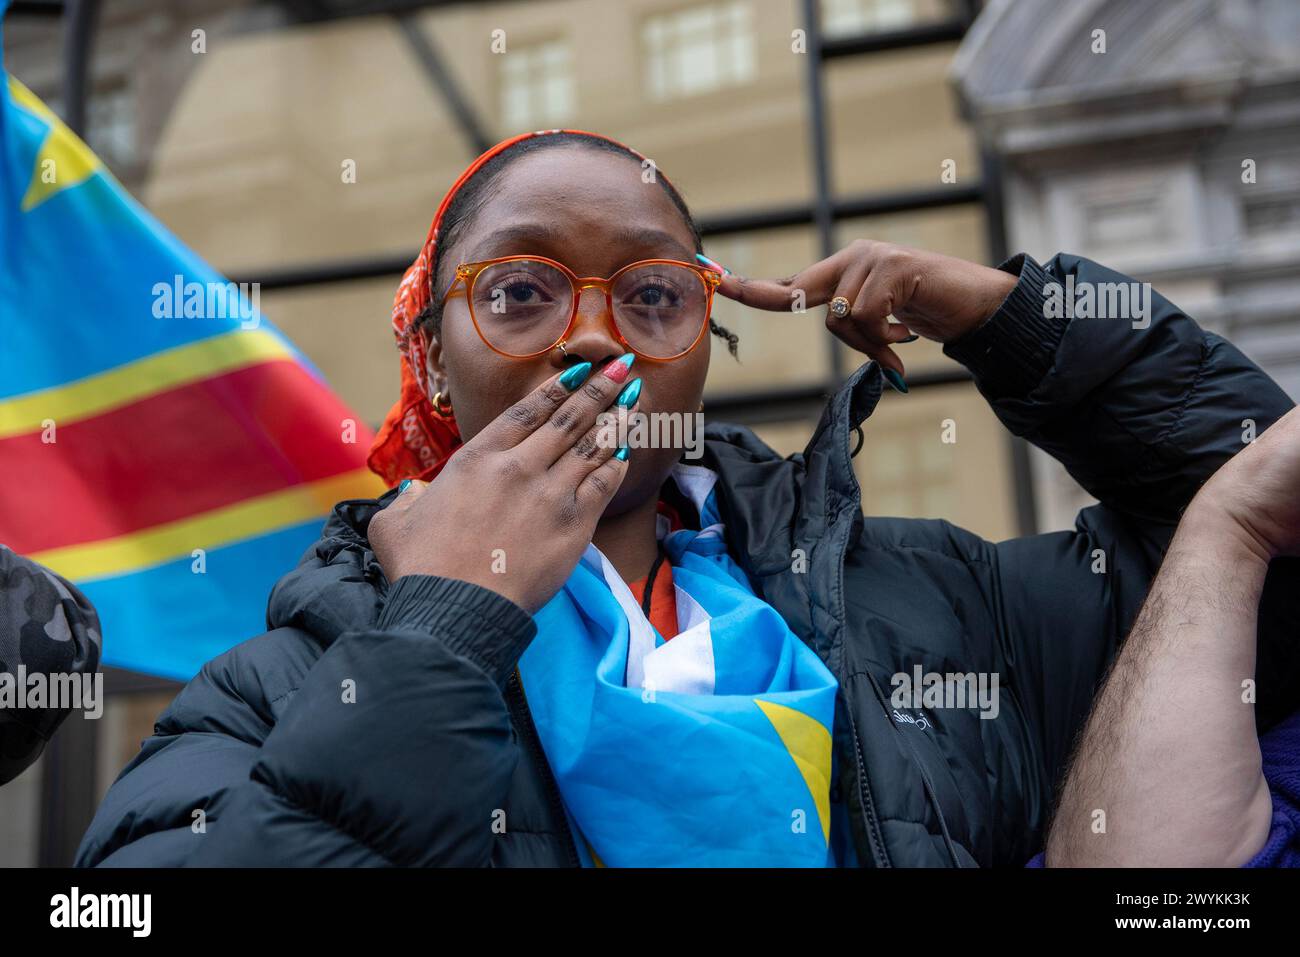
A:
[(1168, 769)]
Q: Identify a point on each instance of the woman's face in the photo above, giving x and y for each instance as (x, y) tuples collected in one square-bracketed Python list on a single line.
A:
[(592, 212)]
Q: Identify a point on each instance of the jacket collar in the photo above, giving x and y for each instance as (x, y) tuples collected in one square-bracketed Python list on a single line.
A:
[(790, 521)]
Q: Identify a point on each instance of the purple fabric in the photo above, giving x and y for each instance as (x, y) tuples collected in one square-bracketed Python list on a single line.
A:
[(1280, 748)]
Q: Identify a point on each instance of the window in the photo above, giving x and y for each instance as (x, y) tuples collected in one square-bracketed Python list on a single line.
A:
[(536, 86), (699, 50), (849, 17)]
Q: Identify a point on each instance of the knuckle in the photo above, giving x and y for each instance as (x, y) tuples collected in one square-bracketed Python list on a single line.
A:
[(567, 513), (467, 457), (895, 256), (586, 447), (594, 389), (553, 393), (565, 419), (508, 468), (524, 414), (600, 484)]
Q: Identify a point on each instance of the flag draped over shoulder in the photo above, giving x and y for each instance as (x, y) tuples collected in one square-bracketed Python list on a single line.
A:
[(160, 444)]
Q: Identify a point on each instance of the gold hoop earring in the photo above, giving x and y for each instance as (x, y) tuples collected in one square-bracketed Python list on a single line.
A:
[(438, 407)]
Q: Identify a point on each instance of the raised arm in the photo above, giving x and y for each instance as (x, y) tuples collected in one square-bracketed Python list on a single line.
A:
[(1168, 770), (1138, 402)]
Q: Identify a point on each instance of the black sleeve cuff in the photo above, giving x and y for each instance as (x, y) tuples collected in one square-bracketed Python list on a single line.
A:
[(474, 622), (1011, 352)]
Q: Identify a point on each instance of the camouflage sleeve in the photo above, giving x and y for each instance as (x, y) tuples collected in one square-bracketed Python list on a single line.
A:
[(47, 627)]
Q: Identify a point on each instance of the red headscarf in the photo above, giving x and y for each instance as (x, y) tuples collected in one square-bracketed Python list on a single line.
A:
[(415, 441)]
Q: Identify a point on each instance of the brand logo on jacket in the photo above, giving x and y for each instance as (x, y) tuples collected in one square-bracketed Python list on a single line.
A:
[(921, 722)]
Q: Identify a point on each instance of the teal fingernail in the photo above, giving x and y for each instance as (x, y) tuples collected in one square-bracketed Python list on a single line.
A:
[(575, 376), (622, 453), (896, 380), (631, 392), (405, 484), (912, 338), (712, 264)]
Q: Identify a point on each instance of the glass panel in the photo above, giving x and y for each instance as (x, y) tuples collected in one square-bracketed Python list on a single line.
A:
[(248, 167), (777, 349), (894, 122), (908, 468), (242, 146)]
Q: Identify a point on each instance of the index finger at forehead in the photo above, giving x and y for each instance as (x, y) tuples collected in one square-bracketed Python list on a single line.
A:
[(810, 287)]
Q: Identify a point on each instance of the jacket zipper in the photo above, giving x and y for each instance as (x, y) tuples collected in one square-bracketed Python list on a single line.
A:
[(864, 791), (864, 795), (926, 783), (527, 730)]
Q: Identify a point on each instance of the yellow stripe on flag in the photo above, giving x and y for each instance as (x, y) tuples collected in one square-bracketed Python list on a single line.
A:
[(809, 744), (140, 379), (63, 161), (213, 529)]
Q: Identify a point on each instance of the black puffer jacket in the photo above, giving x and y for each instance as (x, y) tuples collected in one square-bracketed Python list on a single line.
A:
[(439, 742)]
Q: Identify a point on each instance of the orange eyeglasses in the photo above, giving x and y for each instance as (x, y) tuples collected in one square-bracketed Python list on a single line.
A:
[(525, 306)]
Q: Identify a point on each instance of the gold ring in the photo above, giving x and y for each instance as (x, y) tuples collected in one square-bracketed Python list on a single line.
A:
[(563, 351), (840, 307)]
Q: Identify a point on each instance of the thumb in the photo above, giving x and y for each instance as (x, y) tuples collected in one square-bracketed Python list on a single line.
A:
[(408, 490)]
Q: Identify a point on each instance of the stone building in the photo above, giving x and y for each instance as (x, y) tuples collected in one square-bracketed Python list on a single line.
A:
[(1161, 138)]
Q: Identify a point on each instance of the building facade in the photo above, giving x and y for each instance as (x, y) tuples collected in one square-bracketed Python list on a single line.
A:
[(1161, 138)]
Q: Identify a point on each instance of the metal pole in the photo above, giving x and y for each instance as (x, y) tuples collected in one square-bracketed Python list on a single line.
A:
[(441, 77), (995, 224), (79, 39), (69, 763), (823, 210)]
